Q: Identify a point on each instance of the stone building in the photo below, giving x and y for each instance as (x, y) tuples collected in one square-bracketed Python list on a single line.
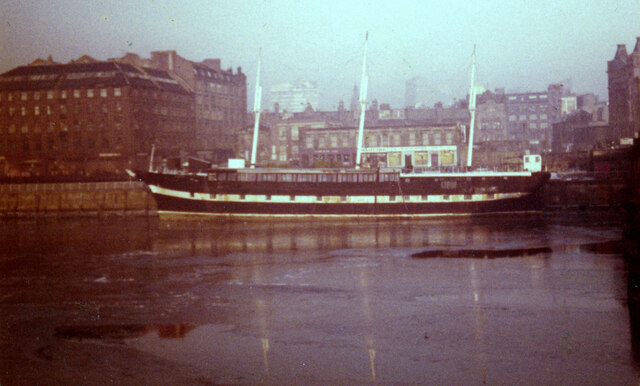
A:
[(528, 116), (220, 98), (580, 132), (425, 146), (89, 118), (491, 118), (624, 91)]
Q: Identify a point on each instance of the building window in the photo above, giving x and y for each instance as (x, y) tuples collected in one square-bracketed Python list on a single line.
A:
[(543, 117), (63, 94), (533, 117), (36, 110), (36, 95), (334, 141), (49, 94), (437, 140), (425, 138), (103, 92), (23, 111), (523, 117), (24, 129), (12, 128), (117, 91), (48, 110), (370, 141), (90, 93), (449, 137), (23, 96), (76, 93), (412, 139)]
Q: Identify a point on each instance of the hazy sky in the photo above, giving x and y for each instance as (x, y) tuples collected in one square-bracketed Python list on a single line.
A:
[(521, 45)]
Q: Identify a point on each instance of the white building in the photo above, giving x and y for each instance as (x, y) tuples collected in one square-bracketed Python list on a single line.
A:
[(295, 98), (423, 92), (569, 104)]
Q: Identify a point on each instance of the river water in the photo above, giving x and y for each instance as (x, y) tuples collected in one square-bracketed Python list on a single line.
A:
[(525, 299)]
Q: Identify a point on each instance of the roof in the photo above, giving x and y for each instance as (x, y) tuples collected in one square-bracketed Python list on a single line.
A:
[(86, 73), (219, 76)]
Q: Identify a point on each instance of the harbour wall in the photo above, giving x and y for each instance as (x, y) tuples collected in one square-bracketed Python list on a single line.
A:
[(585, 194), (121, 198), (131, 198)]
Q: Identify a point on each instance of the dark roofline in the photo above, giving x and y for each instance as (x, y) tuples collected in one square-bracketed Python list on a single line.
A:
[(420, 126), (123, 74)]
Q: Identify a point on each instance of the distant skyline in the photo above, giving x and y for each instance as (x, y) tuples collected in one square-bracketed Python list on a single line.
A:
[(521, 46)]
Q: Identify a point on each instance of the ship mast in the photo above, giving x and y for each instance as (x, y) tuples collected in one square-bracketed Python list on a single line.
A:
[(364, 80), (256, 112), (472, 107)]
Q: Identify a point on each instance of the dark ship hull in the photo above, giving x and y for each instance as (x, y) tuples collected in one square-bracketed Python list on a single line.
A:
[(345, 193)]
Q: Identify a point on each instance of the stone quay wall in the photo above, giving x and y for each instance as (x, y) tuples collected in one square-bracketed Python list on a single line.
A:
[(76, 199), (585, 194)]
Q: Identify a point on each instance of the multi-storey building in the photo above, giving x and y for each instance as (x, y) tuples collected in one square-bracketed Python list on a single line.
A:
[(427, 147), (220, 98), (294, 99), (90, 117), (624, 91), (491, 118), (530, 115), (580, 132)]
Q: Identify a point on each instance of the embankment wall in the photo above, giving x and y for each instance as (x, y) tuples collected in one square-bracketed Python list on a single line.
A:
[(76, 199)]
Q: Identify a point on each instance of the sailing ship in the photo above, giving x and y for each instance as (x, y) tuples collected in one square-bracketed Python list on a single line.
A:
[(347, 192)]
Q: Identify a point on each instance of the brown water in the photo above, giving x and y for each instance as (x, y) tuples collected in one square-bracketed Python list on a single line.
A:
[(317, 302)]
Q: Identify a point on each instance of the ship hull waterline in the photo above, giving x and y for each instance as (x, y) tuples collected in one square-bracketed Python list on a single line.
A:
[(190, 201)]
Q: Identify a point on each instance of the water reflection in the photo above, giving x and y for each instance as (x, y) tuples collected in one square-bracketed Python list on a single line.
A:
[(126, 331), (221, 236), (333, 298), (72, 236), (218, 237)]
